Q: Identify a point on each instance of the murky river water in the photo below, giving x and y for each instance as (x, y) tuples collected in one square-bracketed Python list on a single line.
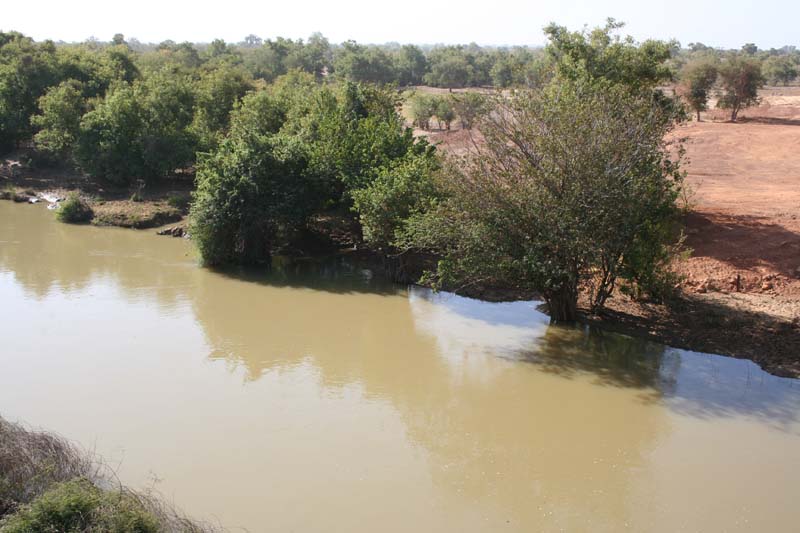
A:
[(320, 399)]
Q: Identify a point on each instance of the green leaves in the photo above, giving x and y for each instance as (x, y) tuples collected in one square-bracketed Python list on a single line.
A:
[(572, 181)]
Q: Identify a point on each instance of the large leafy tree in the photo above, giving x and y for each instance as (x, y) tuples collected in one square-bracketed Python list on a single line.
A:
[(216, 92), (741, 78), (574, 187), (27, 69), (602, 54), (62, 107), (697, 80), (139, 130)]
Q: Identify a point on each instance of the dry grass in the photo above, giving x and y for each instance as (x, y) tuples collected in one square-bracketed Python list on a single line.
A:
[(36, 465)]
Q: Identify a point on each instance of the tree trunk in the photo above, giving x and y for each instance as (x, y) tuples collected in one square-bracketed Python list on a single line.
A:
[(563, 305), (698, 115)]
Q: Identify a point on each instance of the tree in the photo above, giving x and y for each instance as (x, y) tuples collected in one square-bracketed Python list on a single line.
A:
[(410, 65), (449, 67), (573, 187), (698, 77), (27, 69), (403, 189), (469, 107), (444, 111), (138, 131), (741, 79), (600, 54), (252, 195), (62, 107), (355, 62), (423, 108), (217, 91), (780, 69)]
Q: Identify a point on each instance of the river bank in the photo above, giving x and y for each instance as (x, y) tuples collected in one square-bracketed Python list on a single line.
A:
[(49, 484), (764, 328)]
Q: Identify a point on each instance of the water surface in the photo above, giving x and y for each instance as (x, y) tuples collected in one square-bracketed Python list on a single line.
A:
[(319, 398)]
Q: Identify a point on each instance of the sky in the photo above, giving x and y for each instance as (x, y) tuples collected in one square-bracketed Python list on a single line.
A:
[(718, 23)]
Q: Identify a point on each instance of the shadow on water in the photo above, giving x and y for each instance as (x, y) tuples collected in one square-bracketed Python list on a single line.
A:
[(262, 327), (690, 383), (336, 274)]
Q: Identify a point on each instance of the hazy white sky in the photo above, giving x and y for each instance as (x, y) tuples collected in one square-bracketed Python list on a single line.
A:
[(728, 23)]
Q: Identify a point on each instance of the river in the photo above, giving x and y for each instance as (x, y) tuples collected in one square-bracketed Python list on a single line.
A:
[(318, 398)]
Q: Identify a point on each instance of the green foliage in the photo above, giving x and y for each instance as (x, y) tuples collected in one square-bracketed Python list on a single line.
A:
[(74, 210), (452, 67), (602, 55), (410, 64), (698, 78), (444, 111), (26, 70), (216, 93), (573, 183), (741, 79), (352, 131), (78, 505), (780, 69), (252, 194), (470, 107), (139, 130), (396, 193), (423, 108), (62, 107), (288, 157), (355, 62)]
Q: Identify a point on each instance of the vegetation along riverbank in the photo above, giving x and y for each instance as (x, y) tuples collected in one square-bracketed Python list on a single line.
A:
[(568, 179), (48, 484)]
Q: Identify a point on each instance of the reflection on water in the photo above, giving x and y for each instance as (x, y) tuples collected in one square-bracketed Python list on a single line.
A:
[(317, 397)]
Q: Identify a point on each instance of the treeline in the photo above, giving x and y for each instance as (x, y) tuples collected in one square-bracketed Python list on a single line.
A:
[(572, 189)]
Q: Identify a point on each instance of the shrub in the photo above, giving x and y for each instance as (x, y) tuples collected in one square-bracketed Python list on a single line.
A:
[(178, 201), (404, 189), (78, 505), (252, 195), (74, 210)]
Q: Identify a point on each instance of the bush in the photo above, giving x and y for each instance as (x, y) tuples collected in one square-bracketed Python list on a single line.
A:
[(398, 192), (78, 505), (252, 195), (178, 201), (74, 210)]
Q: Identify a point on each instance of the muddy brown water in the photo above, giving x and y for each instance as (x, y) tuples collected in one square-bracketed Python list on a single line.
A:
[(318, 398)]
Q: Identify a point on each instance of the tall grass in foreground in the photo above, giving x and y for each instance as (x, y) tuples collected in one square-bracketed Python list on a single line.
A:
[(47, 484)]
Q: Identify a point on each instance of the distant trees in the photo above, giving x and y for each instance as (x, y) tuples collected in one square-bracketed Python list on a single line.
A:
[(359, 63), (780, 69), (469, 107), (698, 78), (741, 78)]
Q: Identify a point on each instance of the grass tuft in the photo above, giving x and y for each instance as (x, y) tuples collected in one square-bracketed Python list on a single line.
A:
[(74, 210)]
